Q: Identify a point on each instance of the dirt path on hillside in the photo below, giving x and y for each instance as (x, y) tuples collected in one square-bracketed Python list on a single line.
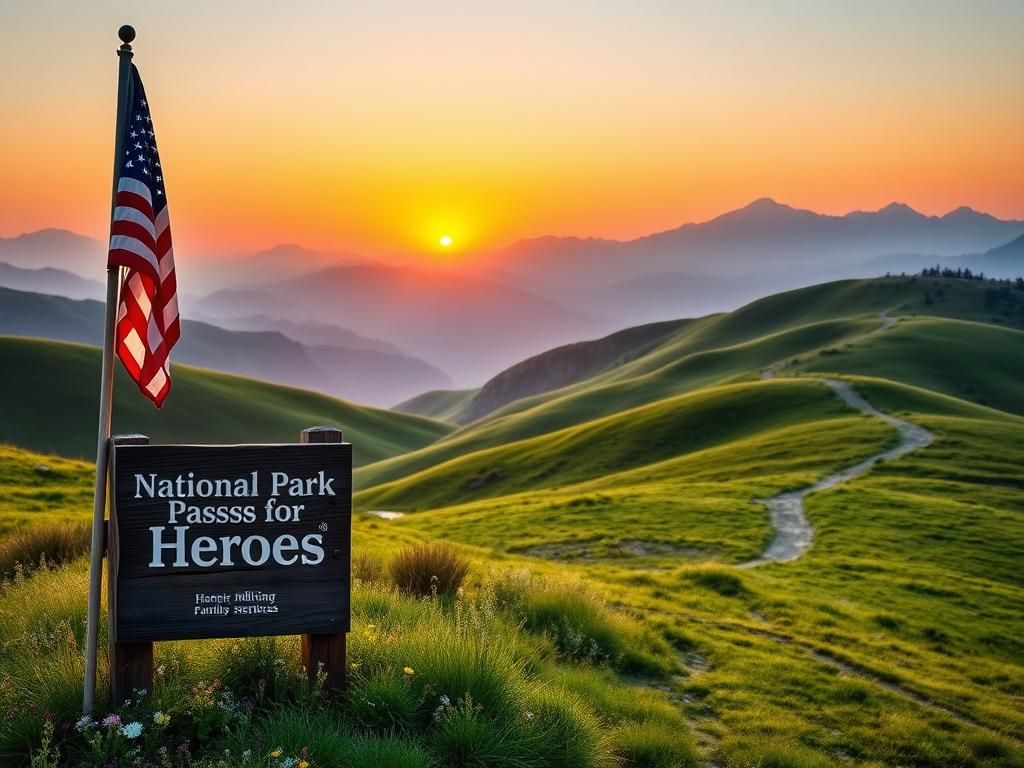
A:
[(887, 322), (793, 532)]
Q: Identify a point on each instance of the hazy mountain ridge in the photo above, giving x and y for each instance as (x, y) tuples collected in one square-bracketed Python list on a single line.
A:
[(49, 280), (368, 376), (486, 312), (565, 365), (469, 327), (764, 236), (309, 332), (58, 248)]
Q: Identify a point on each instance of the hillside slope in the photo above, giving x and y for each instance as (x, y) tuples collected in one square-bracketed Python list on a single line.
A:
[(565, 365), (894, 637), (48, 401), (736, 346), (630, 438), (442, 404)]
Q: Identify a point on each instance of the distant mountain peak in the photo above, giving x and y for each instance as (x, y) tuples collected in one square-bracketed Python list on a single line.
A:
[(898, 209), (766, 204), (51, 235)]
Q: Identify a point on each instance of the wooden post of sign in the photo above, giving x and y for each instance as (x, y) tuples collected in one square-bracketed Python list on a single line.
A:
[(326, 652), (131, 664)]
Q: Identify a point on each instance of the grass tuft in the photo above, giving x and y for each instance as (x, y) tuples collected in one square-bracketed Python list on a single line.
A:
[(427, 569), (53, 544), (652, 745), (724, 582)]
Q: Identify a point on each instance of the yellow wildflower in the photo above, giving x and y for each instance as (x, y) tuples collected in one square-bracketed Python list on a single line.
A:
[(409, 671), (276, 753), (303, 764)]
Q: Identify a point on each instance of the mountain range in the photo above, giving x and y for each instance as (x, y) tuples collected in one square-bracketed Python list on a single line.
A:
[(484, 313), (371, 376)]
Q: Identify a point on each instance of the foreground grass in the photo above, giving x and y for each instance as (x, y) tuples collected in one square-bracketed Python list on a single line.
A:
[(432, 682)]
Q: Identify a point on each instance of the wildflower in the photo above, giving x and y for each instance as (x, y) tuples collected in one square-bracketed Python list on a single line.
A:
[(445, 700), (288, 762), (111, 721), (162, 751), (48, 717), (355, 665), (303, 764), (132, 730), (409, 671), (183, 747), (84, 723), (529, 715), (275, 754), (161, 718)]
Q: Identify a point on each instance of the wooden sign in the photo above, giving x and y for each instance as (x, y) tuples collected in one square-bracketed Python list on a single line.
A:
[(229, 541)]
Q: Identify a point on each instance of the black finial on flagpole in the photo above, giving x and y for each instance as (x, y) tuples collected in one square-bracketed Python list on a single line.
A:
[(127, 34)]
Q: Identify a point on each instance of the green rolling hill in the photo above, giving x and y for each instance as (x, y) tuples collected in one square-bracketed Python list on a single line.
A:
[(975, 361), (736, 346), (889, 636), (49, 391), (635, 437), (442, 404)]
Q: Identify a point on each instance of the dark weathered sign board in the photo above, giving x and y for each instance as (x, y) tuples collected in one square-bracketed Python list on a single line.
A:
[(229, 541)]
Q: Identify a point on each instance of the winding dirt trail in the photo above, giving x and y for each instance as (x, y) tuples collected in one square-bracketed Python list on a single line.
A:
[(793, 532)]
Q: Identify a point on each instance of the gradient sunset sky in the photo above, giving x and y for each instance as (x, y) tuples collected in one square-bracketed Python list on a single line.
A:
[(381, 126)]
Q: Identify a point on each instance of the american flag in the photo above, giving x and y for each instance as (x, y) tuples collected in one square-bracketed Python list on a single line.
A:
[(140, 240)]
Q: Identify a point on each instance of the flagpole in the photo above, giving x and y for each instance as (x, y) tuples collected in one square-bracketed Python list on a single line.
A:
[(124, 54)]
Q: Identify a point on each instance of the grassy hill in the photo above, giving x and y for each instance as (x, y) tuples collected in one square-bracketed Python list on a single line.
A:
[(974, 361), (636, 437), (738, 345), (441, 404), (893, 639), (49, 392)]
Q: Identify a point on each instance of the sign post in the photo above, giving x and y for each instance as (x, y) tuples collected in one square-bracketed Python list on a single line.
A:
[(212, 541), (325, 651)]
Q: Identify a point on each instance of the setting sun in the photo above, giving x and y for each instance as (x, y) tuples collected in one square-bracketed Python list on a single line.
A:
[(445, 241)]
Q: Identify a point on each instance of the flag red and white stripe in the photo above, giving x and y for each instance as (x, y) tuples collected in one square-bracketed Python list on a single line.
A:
[(147, 325)]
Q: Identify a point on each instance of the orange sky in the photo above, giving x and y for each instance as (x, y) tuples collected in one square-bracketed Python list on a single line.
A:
[(379, 127)]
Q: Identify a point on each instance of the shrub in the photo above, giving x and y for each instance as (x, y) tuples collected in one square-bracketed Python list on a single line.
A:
[(654, 746), (583, 629), (387, 752), (295, 731), (367, 568), (263, 669), (464, 737), (569, 734), (425, 569), (52, 544), (383, 702), (718, 580)]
